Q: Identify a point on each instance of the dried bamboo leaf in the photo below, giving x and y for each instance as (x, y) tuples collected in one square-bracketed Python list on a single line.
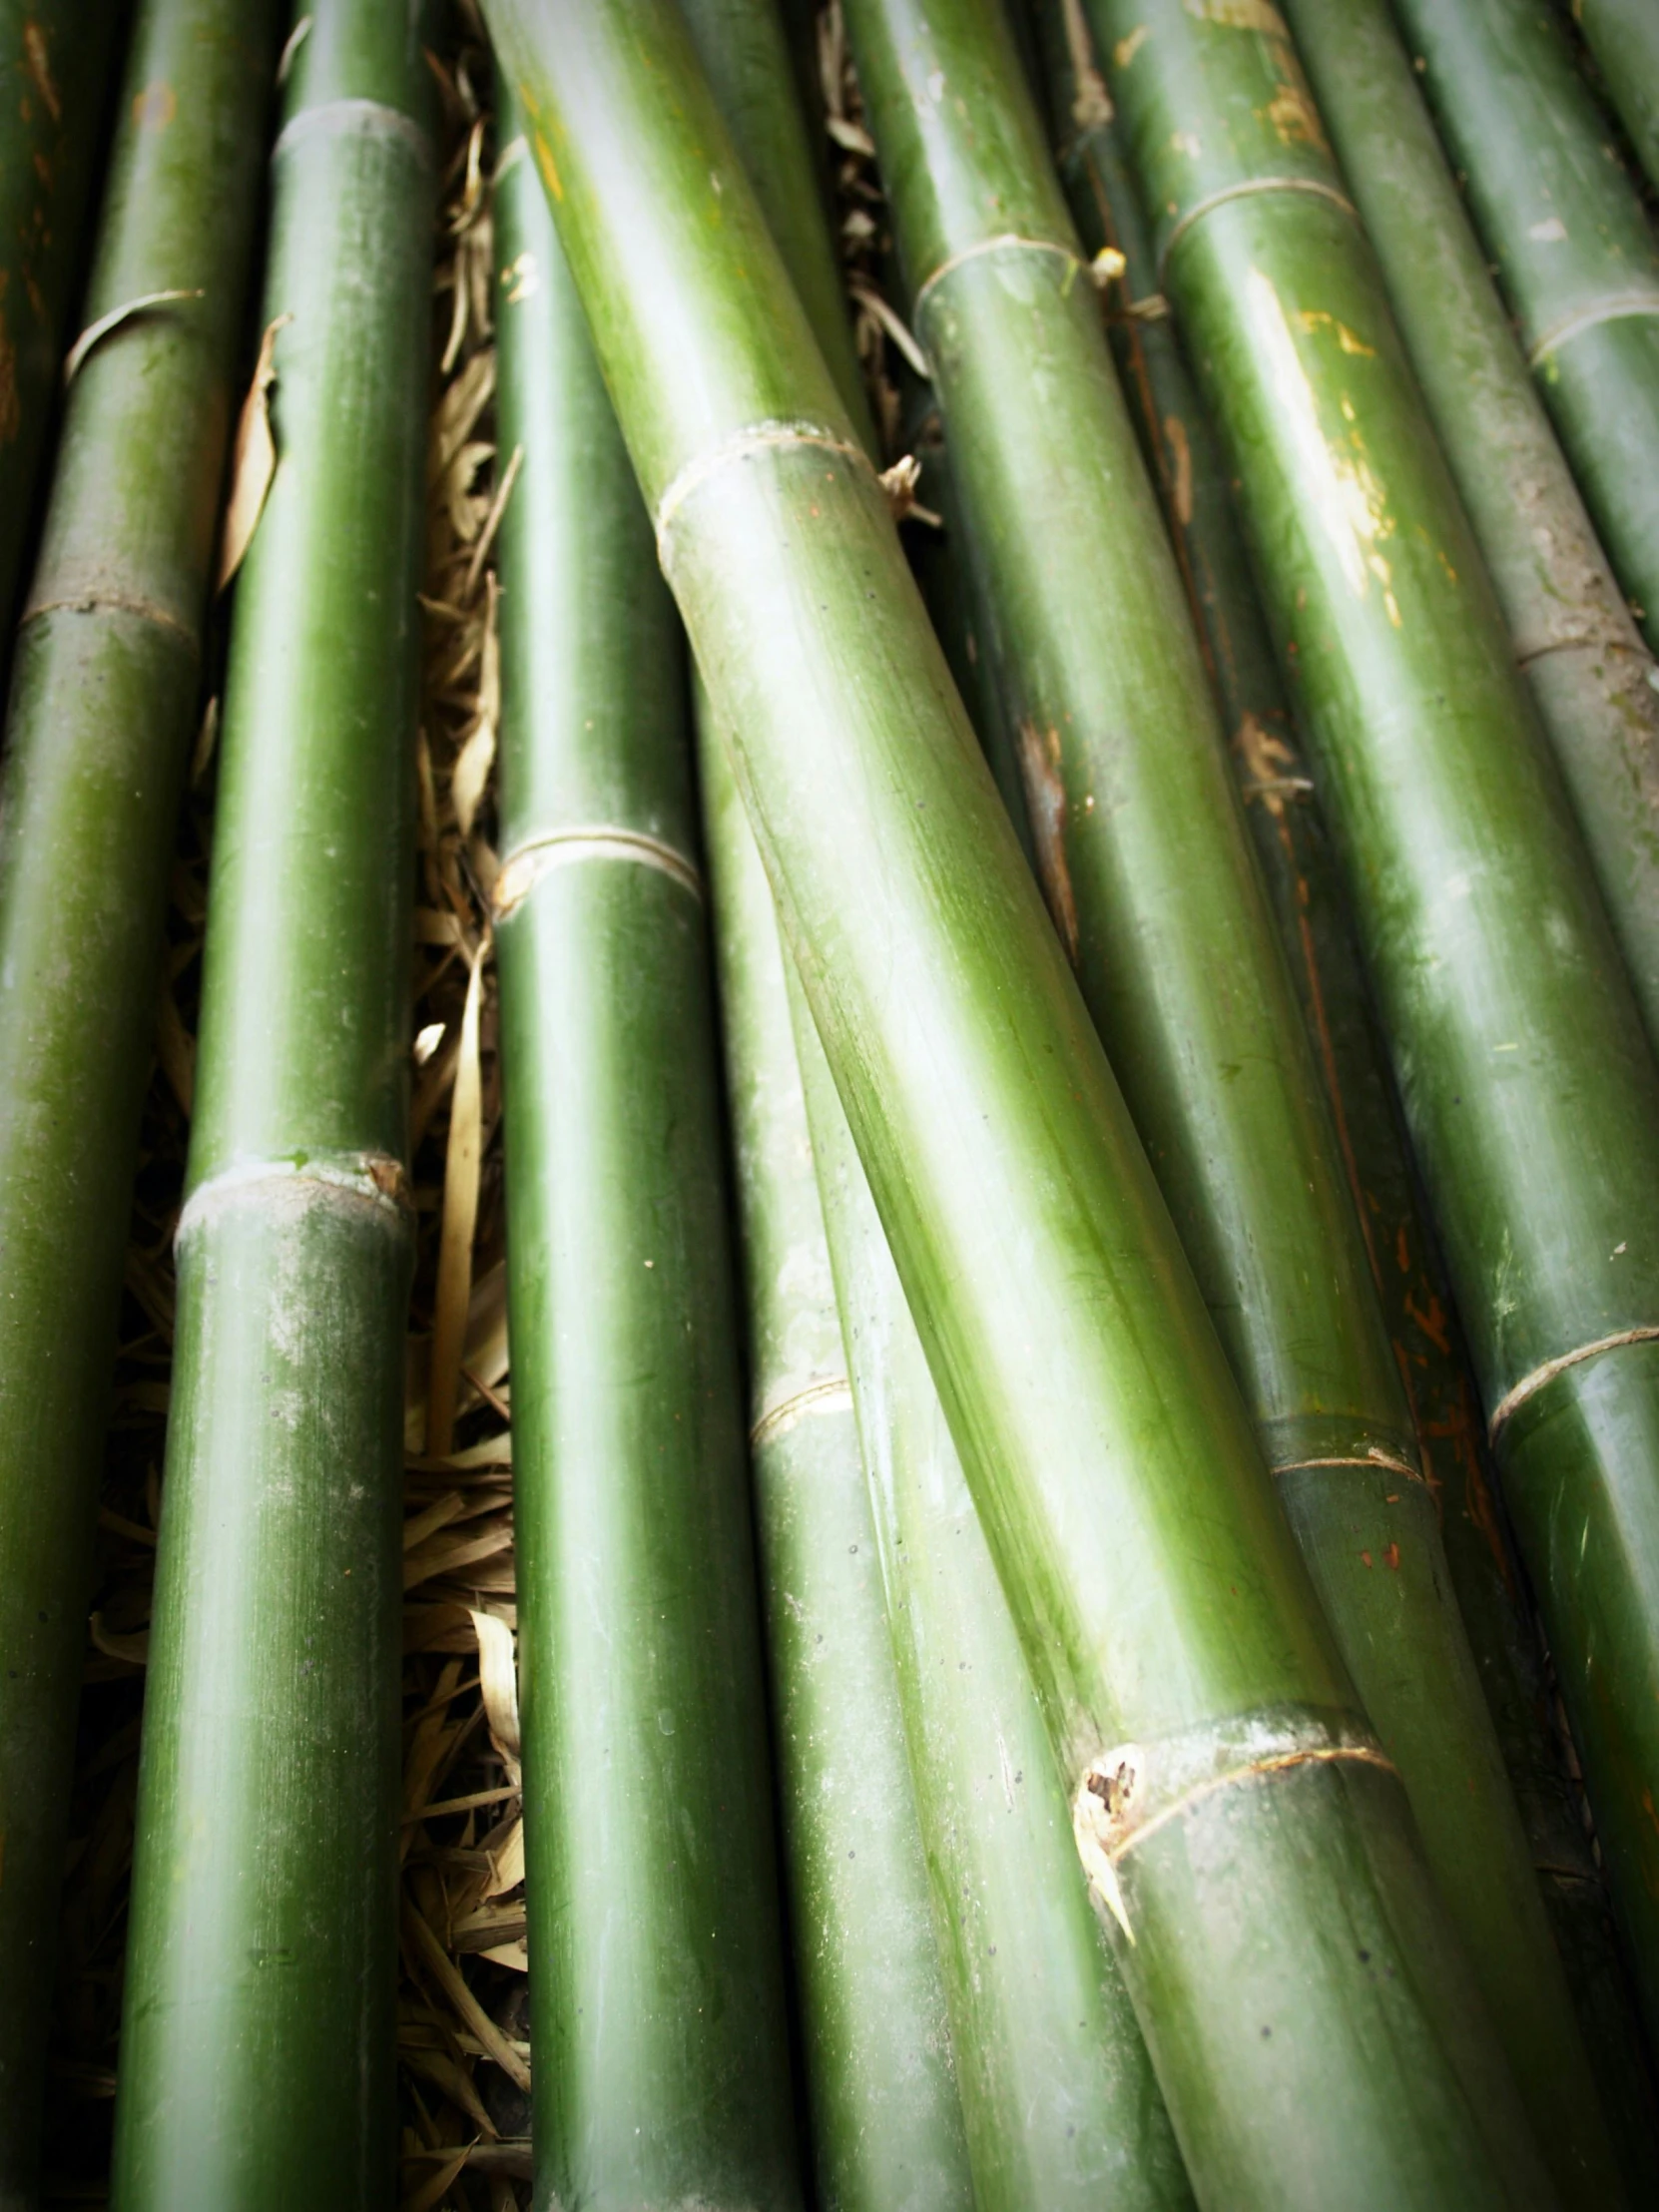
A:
[(254, 460), (454, 1984), (461, 1215)]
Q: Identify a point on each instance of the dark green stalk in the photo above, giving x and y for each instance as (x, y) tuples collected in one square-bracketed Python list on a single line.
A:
[(886, 2122), (57, 64), (1527, 1081), (1058, 2094), (662, 2053), (1572, 246), (1623, 35), (1593, 680), (1188, 1685), (257, 2057), (104, 705), (1147, 863)]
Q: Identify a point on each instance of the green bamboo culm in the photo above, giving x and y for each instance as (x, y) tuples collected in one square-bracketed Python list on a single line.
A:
[(1574, 251), (886, 2124), (1303, 876), (59, 59), (1187, 1681), (1058, 2095), (1147, 863), (1526, 1077), (1623, 35), (1589, 672), (106, 676), (886, 2120), (661, 2055), (256, 2055)]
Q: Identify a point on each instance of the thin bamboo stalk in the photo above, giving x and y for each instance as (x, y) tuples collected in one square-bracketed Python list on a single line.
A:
[(886, 2122), (1527, 1081), (1147, 863), (1623, 35), (1058, 2094), (1188, 1685), (1595, 684), (1303, 876), (58, 65), (107, 673), (887, 2119), (1573, 250), (257, 2061), (661, 2050)]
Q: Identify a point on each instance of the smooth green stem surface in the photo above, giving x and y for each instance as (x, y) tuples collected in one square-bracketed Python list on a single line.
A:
[(1576, 256), (1594, 682), (1153, 884), (1623, 35), (1188, 1687), (1311, 907), (59, 61), (257, 2063), (104, 707), (1058, 2094), (1528, 1080), (662, 2048)]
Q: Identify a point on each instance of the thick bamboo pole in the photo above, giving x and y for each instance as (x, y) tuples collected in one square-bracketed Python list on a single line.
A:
[(58, 65), (1188, 1685), (1593, 679), (887, 2119), (1623, 35), (1303, 876), (662, 2057), (257, 2058), (1147, 863), (1061, 2106), (1572, 246), (1527, 1081), (104, 706)]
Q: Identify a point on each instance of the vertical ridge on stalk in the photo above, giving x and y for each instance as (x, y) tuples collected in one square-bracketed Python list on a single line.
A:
[(106, 674), (662, 2069), (257, 2060)]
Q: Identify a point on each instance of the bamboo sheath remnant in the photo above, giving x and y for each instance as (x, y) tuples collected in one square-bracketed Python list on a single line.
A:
[(104, 705), (887, 2123), (1594, 683), (257, 2058), (1150, 875), (1304, 880), (661, 2053), (1160, 1598), (1527, 1081), (1623, 35), (1574, 251), (59, 59)]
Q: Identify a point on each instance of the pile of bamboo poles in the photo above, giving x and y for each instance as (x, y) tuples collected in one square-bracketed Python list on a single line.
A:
[(830, 939)]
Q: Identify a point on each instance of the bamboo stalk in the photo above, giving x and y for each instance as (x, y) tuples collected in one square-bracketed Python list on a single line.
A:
[(1150, 877), (1573, 250), (1527, 1081), (1062, 2105), (1623, 35), (104, 707), (258, 2053), (1595, 684), (661, 2050), (58, 66), (1185, 1681), (1303, 876), (886, 2122)]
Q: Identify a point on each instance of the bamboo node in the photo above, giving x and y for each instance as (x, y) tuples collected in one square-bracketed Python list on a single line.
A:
[(524, 868), (761, 437), (128, 311), (362, 118), (1006, 241), (1530, 1385), (373, 1176), (1246, 188), (1616, 308)]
